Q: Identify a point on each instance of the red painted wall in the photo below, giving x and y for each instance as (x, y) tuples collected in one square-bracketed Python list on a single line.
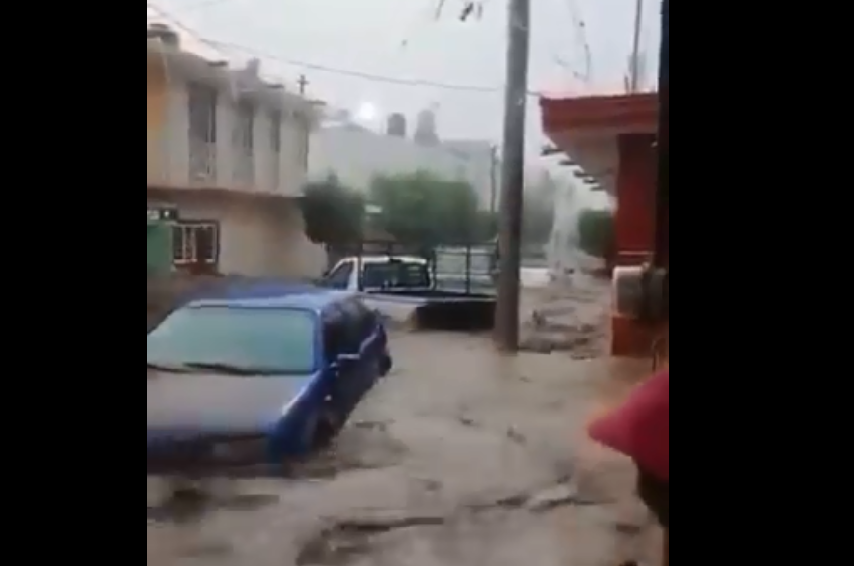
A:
[(634, 231), (635, 221)]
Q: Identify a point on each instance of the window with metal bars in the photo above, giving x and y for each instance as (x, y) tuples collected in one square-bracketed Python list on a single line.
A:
[(276, 148), (195, 243), (243, 143), (245, 134), (276, 131), (303, 126), (201, 110)]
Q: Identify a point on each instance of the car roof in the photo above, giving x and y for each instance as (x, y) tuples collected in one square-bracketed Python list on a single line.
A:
[(272, 295), (387, 259)]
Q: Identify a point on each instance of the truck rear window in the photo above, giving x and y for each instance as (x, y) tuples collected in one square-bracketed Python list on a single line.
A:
[(395, 275)]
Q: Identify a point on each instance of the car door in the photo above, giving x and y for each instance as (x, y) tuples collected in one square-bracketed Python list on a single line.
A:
[(362, 360), (373, 338), (345, 387), (339, 277)]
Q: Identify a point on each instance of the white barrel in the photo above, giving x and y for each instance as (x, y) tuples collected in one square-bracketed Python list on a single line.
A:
[(638, 289)]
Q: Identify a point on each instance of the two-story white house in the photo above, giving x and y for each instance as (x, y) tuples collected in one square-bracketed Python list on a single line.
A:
[(229, 151)]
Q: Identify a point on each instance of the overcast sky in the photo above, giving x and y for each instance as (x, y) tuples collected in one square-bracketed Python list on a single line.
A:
[(402, 39)]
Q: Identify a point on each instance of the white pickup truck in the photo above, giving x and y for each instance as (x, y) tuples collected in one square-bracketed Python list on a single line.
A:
[(452, 272), (400, 287)]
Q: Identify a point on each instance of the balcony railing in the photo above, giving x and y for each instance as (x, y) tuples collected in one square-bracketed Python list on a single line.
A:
[(180, 164), (202, 163), (243, 171), (186, 164)]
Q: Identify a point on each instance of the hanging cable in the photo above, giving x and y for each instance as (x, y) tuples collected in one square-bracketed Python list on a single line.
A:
[(400, 81)]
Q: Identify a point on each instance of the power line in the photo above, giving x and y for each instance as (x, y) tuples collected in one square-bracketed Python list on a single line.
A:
[(399, 81), (359, 74), (202, 4), (581, 28)]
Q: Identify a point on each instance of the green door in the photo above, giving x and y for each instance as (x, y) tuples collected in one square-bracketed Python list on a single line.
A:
[(159, 247)]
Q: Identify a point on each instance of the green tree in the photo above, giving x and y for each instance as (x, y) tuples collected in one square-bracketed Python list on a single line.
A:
[(486, 226), (421, 208), (333, 213), (596, 232)]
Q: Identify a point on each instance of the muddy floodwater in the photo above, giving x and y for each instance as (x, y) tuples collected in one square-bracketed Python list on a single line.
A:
[(461, 457)]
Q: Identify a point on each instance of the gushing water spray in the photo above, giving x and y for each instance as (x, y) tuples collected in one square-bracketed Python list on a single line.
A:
[(564, 256)]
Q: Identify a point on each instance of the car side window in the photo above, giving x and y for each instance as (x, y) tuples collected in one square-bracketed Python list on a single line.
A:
[(333, 335), (352, 326), (367, 319), (375, 275), (395, 275), (340, 277)]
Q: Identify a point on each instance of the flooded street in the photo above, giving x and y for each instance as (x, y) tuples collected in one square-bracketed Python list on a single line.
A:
[(460, 457)]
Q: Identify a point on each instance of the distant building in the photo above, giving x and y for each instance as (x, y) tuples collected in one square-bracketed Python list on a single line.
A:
[(483, 164), (355, 155)]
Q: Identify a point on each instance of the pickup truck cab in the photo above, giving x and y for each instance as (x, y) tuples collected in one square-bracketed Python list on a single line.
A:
[(380, 273)]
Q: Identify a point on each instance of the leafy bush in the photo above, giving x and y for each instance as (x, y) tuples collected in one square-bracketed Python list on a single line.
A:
[(596, 232), (332, 212)]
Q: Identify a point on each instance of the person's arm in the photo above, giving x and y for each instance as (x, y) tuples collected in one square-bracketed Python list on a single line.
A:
[(640, 429)]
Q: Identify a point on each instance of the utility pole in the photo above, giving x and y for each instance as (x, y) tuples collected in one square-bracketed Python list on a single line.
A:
[(306, 127), (512, 177), (662, 195), (493, 179), (634, 63)]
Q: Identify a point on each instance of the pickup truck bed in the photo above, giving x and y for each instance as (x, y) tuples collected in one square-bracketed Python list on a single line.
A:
[(444, 295), (434, 309)]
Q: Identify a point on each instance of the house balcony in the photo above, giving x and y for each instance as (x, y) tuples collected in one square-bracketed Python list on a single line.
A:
[(243, 173), (202, 164), (180, 164), (177, 163)]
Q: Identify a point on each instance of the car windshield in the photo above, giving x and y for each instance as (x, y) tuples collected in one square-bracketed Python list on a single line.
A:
[(247, 339)]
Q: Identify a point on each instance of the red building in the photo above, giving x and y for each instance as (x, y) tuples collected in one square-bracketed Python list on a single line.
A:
[(613, 138)]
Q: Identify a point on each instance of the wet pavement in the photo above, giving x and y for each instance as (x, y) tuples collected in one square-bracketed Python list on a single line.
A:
[(461, 457)]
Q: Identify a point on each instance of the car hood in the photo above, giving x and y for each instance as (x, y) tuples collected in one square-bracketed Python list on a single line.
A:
[(215, 403)]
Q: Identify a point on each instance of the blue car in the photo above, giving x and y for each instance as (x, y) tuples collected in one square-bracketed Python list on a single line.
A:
[(242, 385)]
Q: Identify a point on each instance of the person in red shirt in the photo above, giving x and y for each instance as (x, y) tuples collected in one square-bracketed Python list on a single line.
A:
[(640, 429)]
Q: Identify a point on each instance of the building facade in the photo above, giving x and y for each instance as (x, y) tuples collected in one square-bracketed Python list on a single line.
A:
[(481, 157), (229, 152), (614, 139)]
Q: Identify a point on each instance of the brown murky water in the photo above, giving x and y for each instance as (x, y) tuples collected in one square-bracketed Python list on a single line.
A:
[(462, 457)]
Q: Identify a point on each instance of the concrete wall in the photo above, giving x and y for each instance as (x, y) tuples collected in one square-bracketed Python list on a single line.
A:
[(156, 110), (258, 236), (634, 228), (634, 232)]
